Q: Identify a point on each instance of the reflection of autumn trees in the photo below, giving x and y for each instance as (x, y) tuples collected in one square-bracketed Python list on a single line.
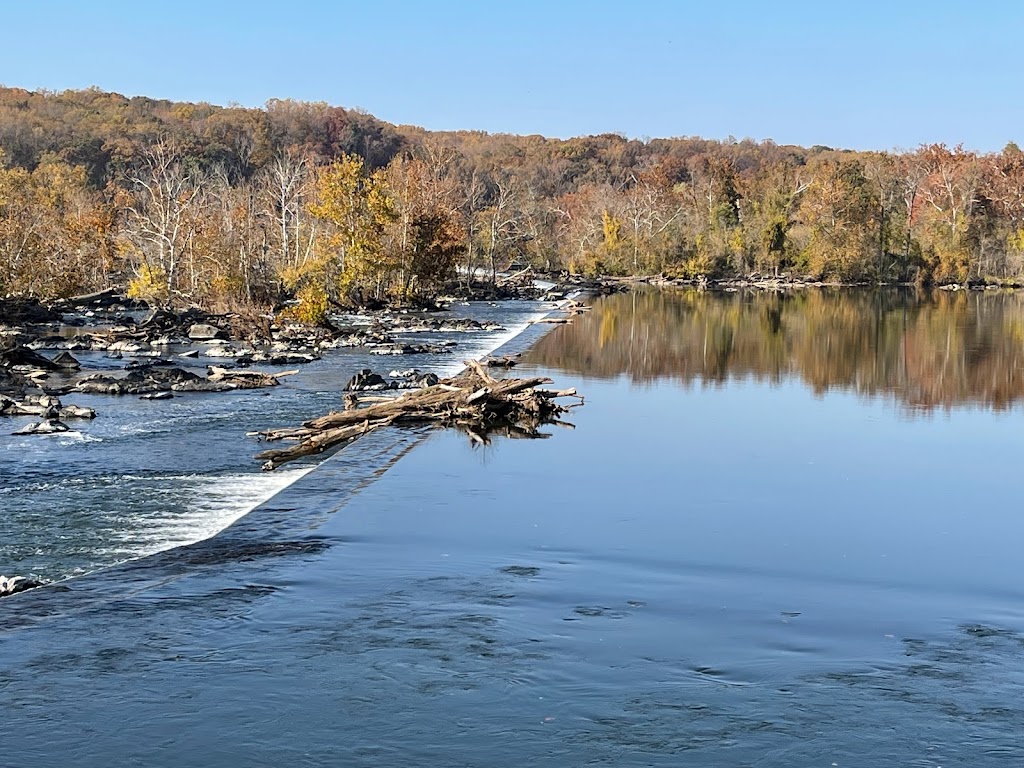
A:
[(939, 350)]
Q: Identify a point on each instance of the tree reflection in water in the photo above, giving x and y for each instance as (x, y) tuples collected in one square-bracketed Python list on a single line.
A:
[(931, 350)]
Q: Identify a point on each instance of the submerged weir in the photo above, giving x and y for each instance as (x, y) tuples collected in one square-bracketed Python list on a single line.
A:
[(146, 477)]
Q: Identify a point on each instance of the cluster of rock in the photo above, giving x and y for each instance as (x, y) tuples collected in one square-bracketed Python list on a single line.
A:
[(361, 337), (414, 324), (368, 381), (444, 347), (44, 406), (380, 335), (22, 369), (166, 380), (30, 382), (48, 408), (24, 359), (161, 328)]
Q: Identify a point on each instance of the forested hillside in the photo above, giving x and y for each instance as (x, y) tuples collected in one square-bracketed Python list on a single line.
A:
[(193, 203)]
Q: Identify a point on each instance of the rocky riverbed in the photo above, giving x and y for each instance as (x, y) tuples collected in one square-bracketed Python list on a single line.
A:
[(165, 461)]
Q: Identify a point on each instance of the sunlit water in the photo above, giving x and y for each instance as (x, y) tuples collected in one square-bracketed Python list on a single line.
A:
[(783, 533)]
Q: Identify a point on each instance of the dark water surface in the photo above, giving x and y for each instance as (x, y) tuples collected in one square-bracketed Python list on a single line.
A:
[(785, 532)]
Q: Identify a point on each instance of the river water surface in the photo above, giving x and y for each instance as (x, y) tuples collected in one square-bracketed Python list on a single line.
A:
[(785, 532)]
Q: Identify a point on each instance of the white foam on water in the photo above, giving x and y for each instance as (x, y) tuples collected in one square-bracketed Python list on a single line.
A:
[(490, 343), (217, 503), (73, 437)]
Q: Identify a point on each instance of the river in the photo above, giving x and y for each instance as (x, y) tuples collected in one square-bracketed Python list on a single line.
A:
[(782, 533)]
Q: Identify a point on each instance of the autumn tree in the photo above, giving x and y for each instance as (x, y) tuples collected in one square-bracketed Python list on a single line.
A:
[(55, 233), (349, 258), (949, 193), (839, 214), (424, 238)]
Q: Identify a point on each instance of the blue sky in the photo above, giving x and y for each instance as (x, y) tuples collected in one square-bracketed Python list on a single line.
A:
[(866, 75)]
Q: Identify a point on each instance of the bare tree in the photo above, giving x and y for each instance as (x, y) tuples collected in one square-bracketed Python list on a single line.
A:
[(287, 180), (158, 217)]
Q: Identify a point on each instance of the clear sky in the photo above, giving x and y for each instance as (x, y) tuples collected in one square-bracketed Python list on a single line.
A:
[(864, 75)]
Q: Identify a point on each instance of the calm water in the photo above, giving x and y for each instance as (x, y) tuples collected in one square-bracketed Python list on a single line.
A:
[(784, 532)]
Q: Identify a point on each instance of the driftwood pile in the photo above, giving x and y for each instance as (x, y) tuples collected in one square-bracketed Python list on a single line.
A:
[(474, 402)]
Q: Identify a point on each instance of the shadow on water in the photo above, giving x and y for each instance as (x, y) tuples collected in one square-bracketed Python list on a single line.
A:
[(929, 351)]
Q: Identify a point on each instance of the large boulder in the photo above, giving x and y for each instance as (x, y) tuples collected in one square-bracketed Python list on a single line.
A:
[(158, 396), (413, 379), (77, 412), (25, 358), (48, 427), (205, 332), (67, 361), (367, 381), (283, 358), (414, 349), (9, 407), (13, 383), (155, 362), (129, 346), (76, 343), (224, 350)]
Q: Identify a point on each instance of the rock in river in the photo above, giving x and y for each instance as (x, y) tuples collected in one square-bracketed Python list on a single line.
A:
[(143, 381), (165, 395), (66, 360), (48, 427), (205, 332), (14, 584), (366, 381), (414, 349)]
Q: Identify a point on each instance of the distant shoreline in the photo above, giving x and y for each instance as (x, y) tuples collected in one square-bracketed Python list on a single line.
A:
[(793, 283)]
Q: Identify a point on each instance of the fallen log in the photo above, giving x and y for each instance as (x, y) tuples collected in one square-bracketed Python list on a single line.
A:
[(473, 402)]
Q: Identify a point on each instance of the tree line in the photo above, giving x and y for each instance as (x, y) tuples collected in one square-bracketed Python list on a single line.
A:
[(231, 206)]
